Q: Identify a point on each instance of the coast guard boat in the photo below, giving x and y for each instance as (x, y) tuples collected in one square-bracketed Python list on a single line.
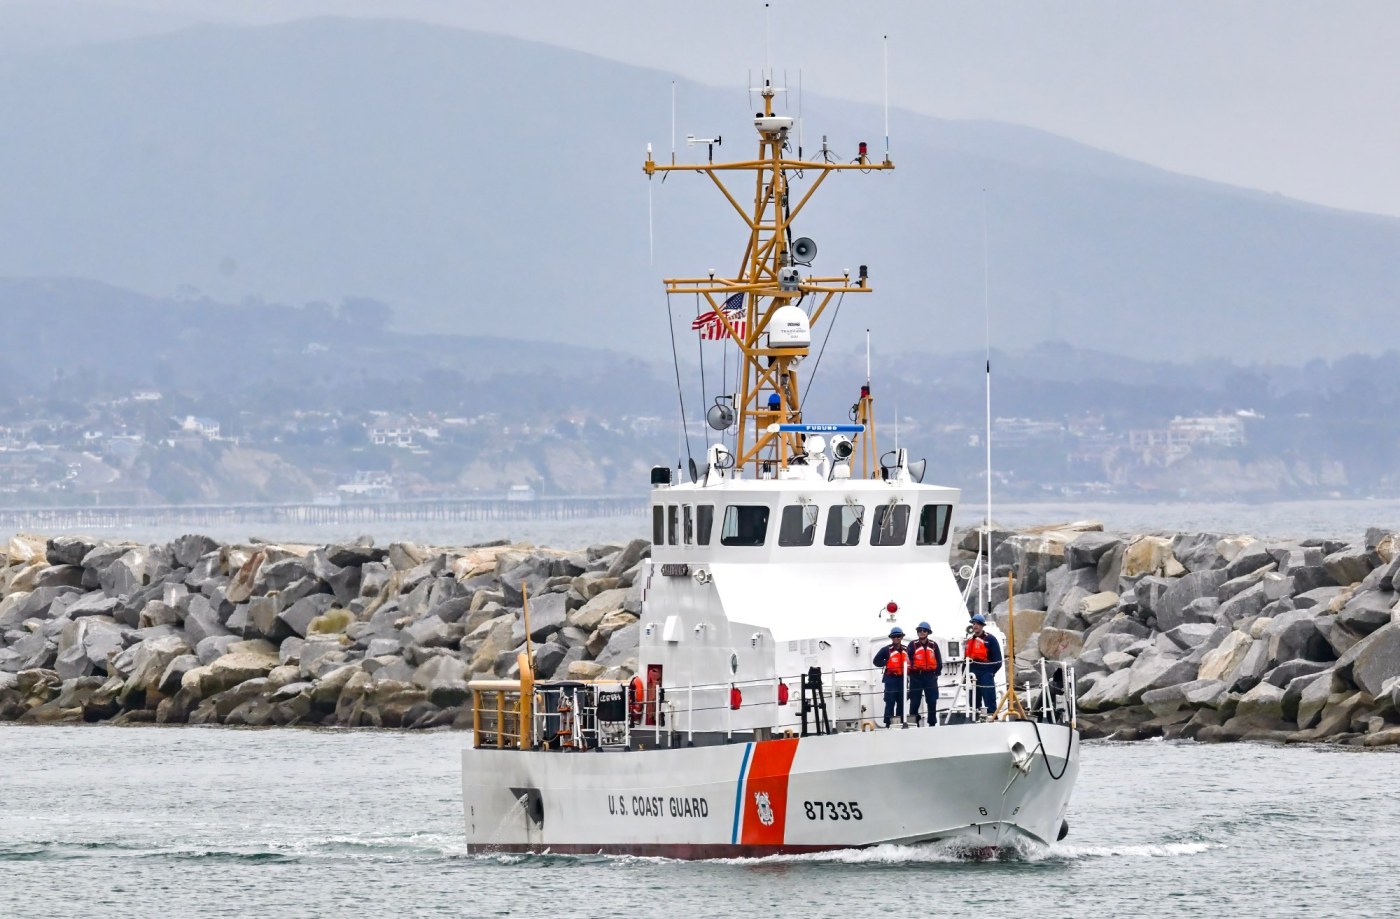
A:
[(754, 725)]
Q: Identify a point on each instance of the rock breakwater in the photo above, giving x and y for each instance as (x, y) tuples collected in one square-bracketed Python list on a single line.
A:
[(1195, 635), (353, 635), (1210, 636)]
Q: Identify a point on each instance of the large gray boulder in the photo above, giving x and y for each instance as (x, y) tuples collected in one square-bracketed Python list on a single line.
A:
[(95, 603), (1293, 690), (1171, 609), (1262, 703), (1308, 577), (187, 550), (36, 604), (1111, 691), (1373, 660), (1154, 670), (1284, 674), (60, 576), (1318, 597), (1235, 586), (1192, 635), (35, 651), (67, 550), (1315, 694), (1243, 605), (1198, 551), (432, 632), (1338, 637), (452, 610), (440, 671), (548, 658), (1085, 550), (631, 554), (1294, 635), (202, 621), (150, 661), (1251, 558), (547, 614), (1367, 611), (1251, 668), (86, 646), (297, 617), (126, 574), (1350, 565), (274, 577), (591, 613), (214, 647), (621, 645), (1151, 591)]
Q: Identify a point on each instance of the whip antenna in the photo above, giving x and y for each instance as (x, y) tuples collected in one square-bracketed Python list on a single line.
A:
[(887, 98), (987, 320), (651, 226)]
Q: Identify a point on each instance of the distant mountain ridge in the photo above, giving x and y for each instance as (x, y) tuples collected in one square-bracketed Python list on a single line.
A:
[(483, 185)]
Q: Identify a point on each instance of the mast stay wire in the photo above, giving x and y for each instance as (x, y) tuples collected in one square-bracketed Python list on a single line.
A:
[(676, 362), (812, 377)]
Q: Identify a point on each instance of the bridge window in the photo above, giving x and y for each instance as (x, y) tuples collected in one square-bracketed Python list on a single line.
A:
[(891, 525), (843, 524), (688, 523), (798, 526), (933, 524), (744, 525), (704, 520), (658, 525), (672, 519)]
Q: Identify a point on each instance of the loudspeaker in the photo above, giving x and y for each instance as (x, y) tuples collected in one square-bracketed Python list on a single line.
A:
[(720, 416), (803, 251)]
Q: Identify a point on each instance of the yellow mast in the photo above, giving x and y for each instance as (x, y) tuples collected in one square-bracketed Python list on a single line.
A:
[(768, 371)]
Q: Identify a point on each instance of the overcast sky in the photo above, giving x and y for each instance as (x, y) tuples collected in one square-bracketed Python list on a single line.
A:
[(1280, 95)]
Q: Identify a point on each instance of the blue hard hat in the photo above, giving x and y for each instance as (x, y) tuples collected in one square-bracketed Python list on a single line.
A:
[(979, 618), (896, 631), (923, 626)]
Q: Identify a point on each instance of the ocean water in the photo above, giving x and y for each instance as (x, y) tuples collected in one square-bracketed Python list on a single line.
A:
[(162, 822), (1347, 520)]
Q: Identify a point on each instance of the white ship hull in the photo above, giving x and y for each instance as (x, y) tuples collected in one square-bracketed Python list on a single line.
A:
[(983, 785)]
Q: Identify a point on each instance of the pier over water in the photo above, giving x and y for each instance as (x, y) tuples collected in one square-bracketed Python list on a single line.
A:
[(444, 510)]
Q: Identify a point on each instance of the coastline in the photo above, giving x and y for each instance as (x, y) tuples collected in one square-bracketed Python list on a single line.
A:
[(1193, 635)]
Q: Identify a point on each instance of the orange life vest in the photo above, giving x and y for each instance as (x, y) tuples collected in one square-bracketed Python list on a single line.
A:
[(925, 657), (976, 649), (895, 663)]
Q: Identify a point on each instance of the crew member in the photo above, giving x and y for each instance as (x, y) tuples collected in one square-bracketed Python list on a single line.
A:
[(984, 655), (925, 664), (894, 658)]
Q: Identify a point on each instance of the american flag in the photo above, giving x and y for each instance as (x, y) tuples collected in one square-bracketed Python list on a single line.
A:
[(711, 328)]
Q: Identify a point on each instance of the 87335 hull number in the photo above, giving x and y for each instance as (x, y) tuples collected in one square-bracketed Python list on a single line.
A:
[(832, 810)]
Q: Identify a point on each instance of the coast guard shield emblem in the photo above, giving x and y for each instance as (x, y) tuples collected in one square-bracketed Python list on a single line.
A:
[(765, 812)]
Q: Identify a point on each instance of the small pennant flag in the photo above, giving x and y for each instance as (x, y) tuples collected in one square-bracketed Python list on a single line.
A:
[(711, 328)]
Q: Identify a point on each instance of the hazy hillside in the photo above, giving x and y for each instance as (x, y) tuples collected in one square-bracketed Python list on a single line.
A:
[(486, 186)]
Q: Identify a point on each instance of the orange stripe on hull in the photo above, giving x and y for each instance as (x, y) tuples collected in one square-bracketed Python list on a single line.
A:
[(765, 792)]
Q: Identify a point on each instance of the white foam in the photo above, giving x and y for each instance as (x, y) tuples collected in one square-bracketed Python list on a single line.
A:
[(1147, 850)]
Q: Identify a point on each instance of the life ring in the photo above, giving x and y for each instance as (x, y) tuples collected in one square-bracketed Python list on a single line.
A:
[(867, 726), (636, 699)]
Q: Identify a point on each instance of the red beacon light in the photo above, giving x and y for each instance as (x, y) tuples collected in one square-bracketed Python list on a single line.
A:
[(891, 608), (864, 151)]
